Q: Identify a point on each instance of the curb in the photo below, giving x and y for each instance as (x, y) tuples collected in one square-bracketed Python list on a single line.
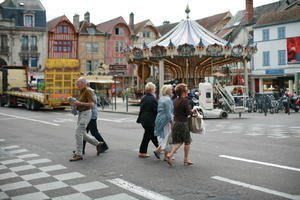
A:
[(118, 112)]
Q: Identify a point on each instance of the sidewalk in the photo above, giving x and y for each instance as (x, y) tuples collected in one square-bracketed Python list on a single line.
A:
[(121, 107)]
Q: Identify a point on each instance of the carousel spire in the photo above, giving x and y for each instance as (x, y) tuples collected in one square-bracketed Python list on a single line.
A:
[(187, 11)]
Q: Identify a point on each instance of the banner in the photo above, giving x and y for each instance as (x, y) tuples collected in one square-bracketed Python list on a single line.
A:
[(293, 50)]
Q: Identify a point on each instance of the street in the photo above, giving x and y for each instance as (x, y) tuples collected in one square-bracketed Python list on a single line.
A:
[(253, 157)]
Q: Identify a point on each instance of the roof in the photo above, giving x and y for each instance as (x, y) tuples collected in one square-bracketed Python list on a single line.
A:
[(139, 26), (23, 4), (240, 17), (107, 27), (212, 21), (188, 32), (208, 22), (53, 23), (289, 15), (84, 25)]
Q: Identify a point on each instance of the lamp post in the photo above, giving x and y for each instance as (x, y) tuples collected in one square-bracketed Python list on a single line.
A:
[(115, 79)]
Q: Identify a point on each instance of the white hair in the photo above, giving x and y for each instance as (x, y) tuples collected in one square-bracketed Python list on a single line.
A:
[(83, 80), (165, 88), (149, 87)]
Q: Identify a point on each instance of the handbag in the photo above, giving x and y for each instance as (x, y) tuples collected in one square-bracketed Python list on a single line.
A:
[(196, 124)]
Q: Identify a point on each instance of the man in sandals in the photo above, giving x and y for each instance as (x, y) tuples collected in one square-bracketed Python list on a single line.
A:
[(84, 104)]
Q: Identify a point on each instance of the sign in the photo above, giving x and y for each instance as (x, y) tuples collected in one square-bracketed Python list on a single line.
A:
[(293, 50), (274, 71)]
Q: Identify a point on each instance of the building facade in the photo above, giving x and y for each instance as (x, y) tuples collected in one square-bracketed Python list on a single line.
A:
[(91, 47), (62, 39), (278, 58), (118, 38), (23, 35)]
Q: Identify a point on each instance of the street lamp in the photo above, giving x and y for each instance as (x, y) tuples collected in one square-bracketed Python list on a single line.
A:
[(115, 82)]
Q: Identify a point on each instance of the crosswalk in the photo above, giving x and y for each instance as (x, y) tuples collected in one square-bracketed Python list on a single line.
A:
[(25, 175)]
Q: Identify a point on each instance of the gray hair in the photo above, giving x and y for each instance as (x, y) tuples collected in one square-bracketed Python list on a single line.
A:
[(149, 87), (83, 80), (165, 88)]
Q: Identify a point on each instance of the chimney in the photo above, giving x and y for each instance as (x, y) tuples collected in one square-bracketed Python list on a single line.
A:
[(131, 21), (87, 17), (249, 11), (76, 21)]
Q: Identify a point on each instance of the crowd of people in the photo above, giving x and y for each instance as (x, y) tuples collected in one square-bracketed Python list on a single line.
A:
[(165, 122)]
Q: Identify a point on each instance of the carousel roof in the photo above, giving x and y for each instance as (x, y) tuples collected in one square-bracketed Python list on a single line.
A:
[(188, 32)]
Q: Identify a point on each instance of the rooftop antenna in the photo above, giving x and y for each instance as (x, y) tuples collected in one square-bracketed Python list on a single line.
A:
[(187, 11)]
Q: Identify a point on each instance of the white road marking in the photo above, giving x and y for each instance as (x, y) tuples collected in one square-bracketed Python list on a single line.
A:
[(10, 147), (89, 186), (122, 196), (78, 196), (52, 168), (2, 140), (7, 162), (38, 161), (258, 188), (68, 176), (18, 151), (13, 186), (22, 168), (30, 119), (260, 163), (50, 186), (28, 155), (138, 190)]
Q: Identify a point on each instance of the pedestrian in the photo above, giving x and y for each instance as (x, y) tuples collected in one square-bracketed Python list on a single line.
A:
[(84, 104), (164, 120), (180, 131), (147, 115), (92, 126)]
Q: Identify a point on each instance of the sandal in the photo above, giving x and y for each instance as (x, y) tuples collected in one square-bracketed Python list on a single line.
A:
[(169, 160), (188, 163)]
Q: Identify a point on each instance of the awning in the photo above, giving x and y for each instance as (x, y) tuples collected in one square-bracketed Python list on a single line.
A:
[(102, 81)]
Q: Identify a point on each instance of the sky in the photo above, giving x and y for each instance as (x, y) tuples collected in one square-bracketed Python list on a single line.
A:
[(155, 10)]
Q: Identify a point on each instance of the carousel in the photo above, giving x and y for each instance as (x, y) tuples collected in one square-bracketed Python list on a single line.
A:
[(188, 53)]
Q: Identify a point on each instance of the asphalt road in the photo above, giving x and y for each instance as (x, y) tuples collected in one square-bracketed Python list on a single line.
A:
[(253, 157)]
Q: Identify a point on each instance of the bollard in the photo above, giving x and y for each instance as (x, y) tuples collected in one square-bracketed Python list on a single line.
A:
[(126, 103)]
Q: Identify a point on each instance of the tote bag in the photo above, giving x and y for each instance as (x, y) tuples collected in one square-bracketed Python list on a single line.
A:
[(196, 124)]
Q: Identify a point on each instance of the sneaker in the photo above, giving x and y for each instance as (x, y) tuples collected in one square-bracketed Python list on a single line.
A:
[(76, 158), (99, 148), (104, 149)]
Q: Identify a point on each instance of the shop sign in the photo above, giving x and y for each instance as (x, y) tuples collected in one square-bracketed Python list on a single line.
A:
[(274, 71)]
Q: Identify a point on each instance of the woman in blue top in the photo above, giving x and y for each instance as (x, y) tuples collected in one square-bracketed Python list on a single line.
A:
[(163, 121)]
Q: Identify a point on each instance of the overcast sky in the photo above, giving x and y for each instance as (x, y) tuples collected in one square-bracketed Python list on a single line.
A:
[(155, 10)]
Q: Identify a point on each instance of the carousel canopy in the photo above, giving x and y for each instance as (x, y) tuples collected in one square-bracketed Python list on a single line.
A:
[(188, 32)]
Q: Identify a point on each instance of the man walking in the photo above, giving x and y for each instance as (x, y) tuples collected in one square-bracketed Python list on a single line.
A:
[(84, 104), (92, 126)]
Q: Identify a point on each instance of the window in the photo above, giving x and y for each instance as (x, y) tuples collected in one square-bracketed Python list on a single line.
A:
[(118, 60), (119, 47), (33, 43), (266, 58), (281, 32), (3, 43), (265, 34), (92, 47), (91, 65), (281, 57), (63, 29), (24, 42), (33, 62), (119, 31), (28, 20), (62, 46), (91, 31), (146, 34)]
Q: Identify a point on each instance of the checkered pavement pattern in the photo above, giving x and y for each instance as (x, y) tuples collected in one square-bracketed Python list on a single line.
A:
[(24, 175)]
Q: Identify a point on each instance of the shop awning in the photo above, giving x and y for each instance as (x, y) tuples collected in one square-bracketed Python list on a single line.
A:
[(100, 79)]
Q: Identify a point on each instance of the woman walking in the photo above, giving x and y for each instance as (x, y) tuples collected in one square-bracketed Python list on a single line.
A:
[(147, 115), (180, 132), (163, 121)]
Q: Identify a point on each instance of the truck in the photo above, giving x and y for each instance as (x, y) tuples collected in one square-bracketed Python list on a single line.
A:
[(59, 84)]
